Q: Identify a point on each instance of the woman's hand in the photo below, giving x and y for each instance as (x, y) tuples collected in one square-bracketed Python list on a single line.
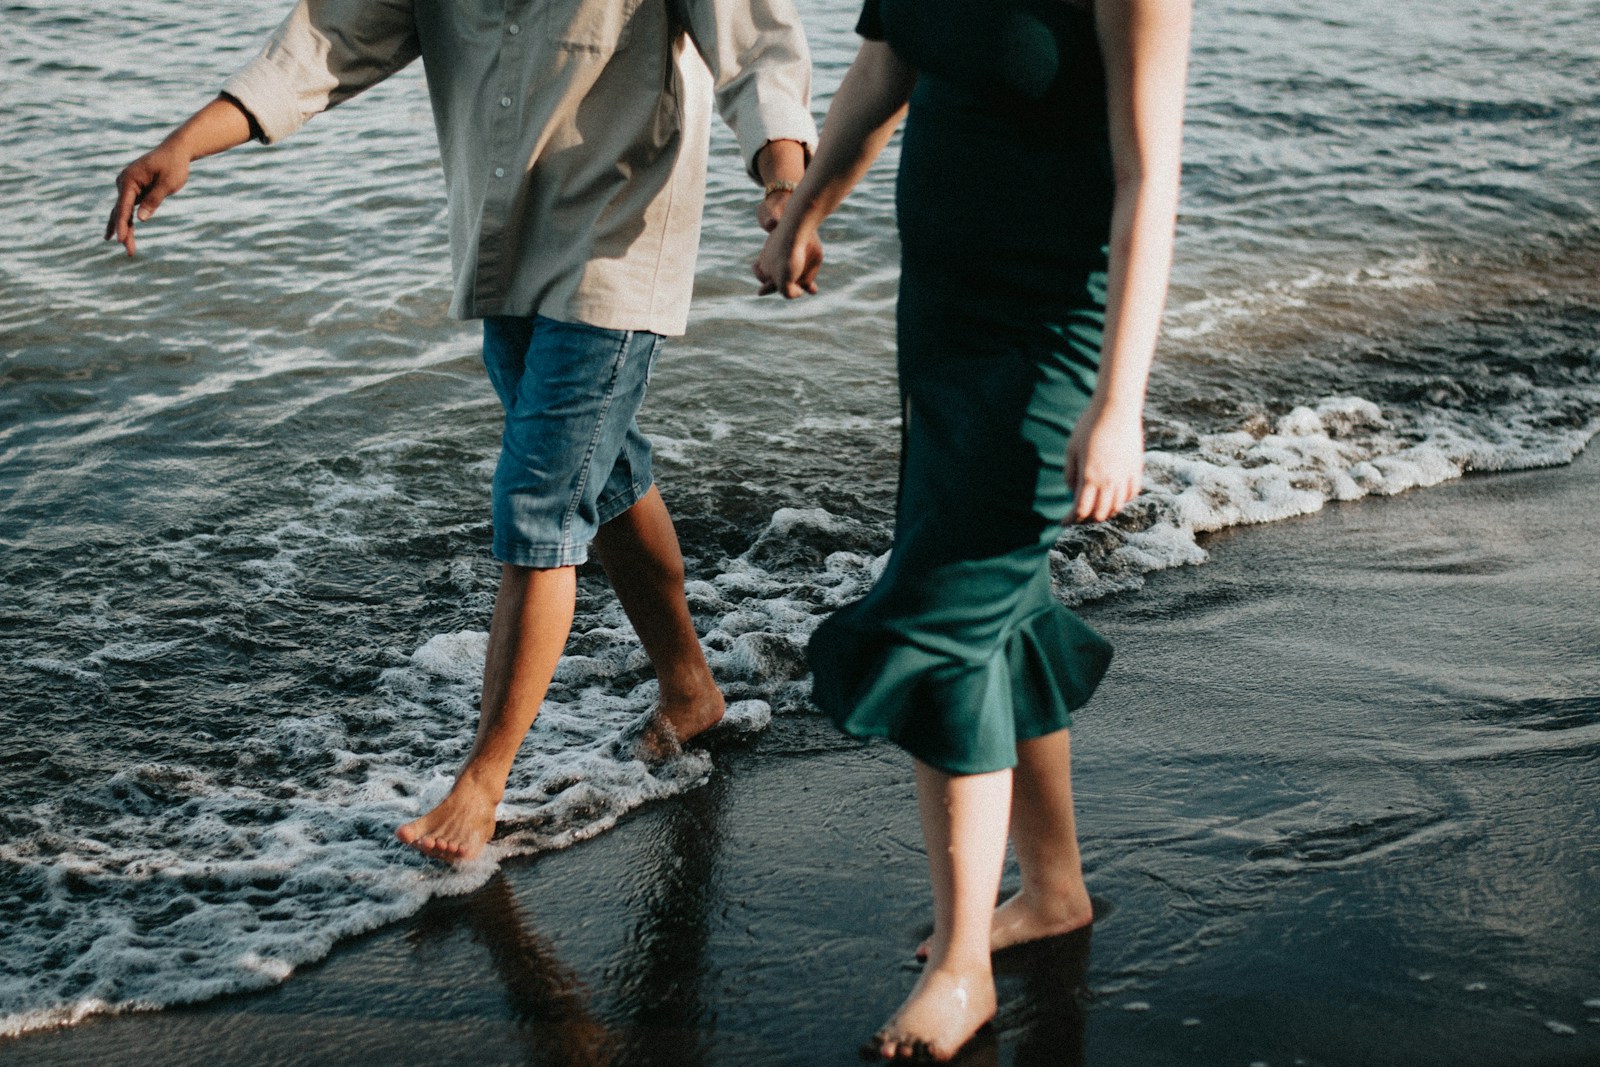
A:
[(789, 261), (1105, 461)]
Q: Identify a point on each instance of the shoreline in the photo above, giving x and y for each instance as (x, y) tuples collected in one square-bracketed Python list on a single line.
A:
[(1310, 816)]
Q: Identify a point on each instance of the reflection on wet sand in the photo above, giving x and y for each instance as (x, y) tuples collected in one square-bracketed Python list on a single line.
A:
[(647, 1007), (1042, 990), (650, 1010), (658, 985), (550, 1003)]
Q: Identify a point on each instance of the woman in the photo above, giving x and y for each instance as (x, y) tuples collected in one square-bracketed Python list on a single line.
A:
[(1037, 195)]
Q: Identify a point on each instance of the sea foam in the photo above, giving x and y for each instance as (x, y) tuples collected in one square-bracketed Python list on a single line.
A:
[(167, 884)]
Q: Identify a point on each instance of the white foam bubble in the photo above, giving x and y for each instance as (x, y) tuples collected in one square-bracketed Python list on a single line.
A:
[(181, 884), (50, 665), (1337, 449), (457, 657)]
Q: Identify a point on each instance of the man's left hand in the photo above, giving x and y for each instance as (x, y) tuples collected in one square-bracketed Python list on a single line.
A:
[(770, 210)]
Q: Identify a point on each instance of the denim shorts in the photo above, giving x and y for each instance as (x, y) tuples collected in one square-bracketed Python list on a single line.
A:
[(571, 456)]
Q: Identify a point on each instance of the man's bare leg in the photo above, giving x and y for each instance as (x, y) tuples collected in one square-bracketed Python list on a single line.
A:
[(639, 550), (963, 827), (1053, 898), (532, 618)]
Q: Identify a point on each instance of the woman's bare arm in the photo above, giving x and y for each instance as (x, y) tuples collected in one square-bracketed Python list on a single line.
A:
[(865, 111), (1146, 46)]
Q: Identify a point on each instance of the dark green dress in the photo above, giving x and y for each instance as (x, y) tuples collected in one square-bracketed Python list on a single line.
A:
[(1004, 200)]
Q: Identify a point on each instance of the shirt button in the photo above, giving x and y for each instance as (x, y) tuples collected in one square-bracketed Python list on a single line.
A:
[(505, 101), (499, 172), (513, 29)]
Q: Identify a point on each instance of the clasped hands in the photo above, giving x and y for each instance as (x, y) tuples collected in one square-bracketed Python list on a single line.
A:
[(790, 259)]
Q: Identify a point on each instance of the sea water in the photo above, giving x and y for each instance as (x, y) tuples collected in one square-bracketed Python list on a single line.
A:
[(243, 478)]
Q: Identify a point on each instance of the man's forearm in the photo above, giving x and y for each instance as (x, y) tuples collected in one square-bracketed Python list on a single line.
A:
[(220, 125), (162, 171), (781, 161)]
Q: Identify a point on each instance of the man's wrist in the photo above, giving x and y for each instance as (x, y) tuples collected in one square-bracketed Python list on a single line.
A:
[(781, 159)]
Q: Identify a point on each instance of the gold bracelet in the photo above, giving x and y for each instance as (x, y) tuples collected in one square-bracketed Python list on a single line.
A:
[(778, 185)]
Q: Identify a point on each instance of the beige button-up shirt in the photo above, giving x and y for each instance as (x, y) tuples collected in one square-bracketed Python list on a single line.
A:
[(574, 132)]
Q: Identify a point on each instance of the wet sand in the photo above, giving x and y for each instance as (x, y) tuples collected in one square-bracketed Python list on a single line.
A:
[(1338, 800)]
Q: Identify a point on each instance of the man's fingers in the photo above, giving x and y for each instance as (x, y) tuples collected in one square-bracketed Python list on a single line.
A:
[(767, 285), (120, 227), (165, 184)]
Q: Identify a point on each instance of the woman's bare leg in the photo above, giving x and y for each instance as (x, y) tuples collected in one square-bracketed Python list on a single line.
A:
[(1053, 899), (963, 826)]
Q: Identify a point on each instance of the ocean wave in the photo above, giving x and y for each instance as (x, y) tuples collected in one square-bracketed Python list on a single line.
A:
[(170, 884)]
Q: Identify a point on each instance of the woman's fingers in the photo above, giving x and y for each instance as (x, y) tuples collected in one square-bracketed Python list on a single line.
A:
[(141, 187), (811, 264), (793, 276), (1097, 498), (1083, 506)]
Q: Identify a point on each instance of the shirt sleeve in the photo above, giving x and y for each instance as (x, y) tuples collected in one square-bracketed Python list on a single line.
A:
[(870, 24), (760, 70), (324, 53)]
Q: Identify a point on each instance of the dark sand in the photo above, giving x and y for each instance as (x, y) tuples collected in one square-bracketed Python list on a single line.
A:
[(1338, 800)]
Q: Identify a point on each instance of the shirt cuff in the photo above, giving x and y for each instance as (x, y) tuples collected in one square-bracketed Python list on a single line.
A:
[(269, 97), (776, 120)]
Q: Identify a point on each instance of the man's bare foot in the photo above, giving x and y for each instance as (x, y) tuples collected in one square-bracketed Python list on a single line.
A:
[(459, 825), (943, 1012), (689, 717), (676, 720), (1025, 918)]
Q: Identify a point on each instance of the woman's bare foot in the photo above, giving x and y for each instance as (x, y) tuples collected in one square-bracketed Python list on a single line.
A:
[(943, 1012), (458, 826), (1025, 917)]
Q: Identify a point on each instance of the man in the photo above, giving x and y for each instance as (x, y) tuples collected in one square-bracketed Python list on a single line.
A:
[(574, 135)]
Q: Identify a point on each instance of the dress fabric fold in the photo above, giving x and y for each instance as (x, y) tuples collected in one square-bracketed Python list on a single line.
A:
[(961, 650)]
